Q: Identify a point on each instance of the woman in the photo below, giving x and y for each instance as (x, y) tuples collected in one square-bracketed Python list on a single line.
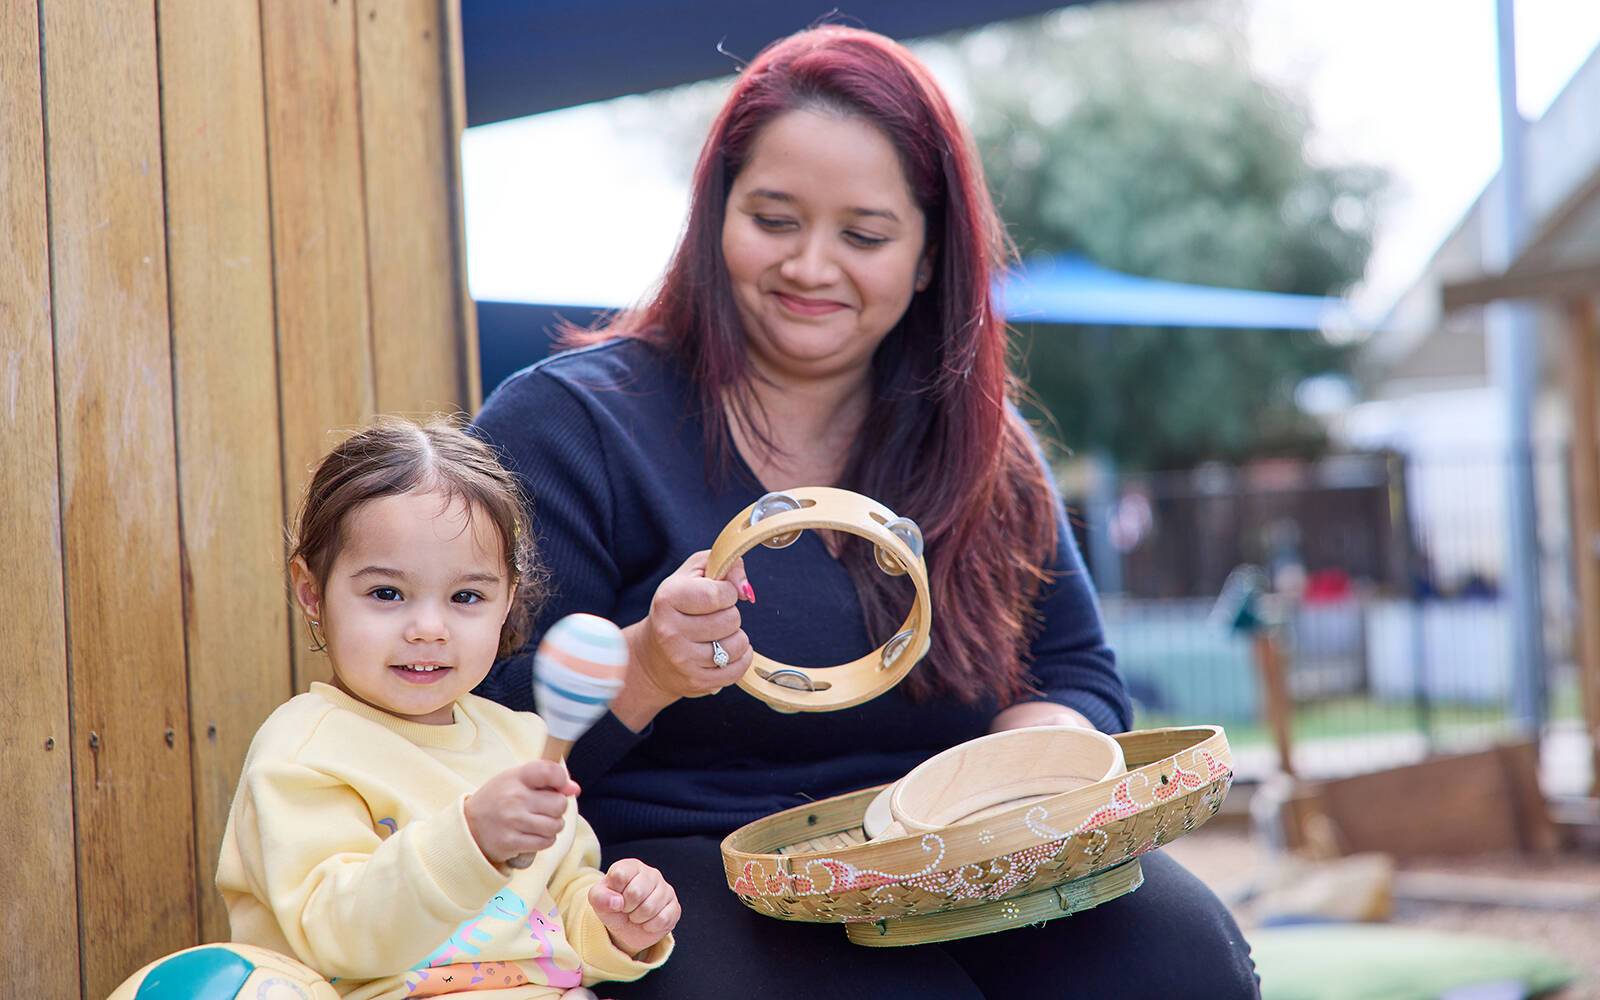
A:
[(826, 320)]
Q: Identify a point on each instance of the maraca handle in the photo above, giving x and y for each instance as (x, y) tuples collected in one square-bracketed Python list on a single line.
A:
[(554, 750)]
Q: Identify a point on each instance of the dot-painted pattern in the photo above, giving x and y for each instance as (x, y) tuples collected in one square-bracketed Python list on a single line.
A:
[(1141, 813)]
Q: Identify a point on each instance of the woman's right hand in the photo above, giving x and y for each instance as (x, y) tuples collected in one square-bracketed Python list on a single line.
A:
[(672, 655)]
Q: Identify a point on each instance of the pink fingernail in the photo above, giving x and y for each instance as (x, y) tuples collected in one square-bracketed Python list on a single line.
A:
[(748, 591)]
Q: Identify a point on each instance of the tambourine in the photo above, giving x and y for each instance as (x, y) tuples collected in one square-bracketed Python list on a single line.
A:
[(776, 520)]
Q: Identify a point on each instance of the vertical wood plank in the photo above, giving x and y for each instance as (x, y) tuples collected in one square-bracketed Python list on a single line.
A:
[(1583, 355), (38, 896), (118, 487), (219, 255), (319, 240), (455, 56), (411, 138)]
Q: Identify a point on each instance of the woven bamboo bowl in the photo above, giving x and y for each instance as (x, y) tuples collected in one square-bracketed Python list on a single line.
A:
[(1031, 862)]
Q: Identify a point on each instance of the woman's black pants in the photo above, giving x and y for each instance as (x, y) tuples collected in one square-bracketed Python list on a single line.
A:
[(1171, 938)]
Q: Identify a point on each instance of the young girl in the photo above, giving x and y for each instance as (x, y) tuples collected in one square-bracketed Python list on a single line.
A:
[(372, 825)]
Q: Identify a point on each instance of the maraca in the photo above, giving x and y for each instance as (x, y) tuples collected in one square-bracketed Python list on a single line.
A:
[(578, 669)]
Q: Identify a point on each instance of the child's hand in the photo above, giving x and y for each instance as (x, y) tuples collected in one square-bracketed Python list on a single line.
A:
[(637, 906), (519, 810)]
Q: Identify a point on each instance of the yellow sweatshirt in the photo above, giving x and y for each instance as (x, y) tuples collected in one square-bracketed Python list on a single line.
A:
[(348, 849)]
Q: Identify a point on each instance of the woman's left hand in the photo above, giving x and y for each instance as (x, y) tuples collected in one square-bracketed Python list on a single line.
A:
[(1038, 713)]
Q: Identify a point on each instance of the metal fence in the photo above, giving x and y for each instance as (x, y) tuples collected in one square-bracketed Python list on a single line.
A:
[(1385, 581)]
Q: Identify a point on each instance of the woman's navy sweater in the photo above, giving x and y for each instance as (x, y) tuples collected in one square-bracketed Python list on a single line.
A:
[(608, 444)]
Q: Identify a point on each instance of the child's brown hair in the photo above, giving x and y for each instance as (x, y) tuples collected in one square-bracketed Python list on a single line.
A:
[(394, 456)]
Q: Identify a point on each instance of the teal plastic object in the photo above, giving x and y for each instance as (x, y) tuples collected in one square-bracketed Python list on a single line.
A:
[(1247, 619), (1239, 604), (203, 974)]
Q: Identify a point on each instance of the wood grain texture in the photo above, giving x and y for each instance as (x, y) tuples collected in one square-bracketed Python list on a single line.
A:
[(842, 686), (38, 882), (410, 137), (219, 252), (455, 62), (1460, 804), (118, 487), (319, 241), (990, 774)]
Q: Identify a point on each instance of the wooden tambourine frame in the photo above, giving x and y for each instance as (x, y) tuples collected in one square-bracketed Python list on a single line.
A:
[(790, 688)]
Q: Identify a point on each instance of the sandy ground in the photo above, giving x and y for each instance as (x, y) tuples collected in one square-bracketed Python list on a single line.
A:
[(1227, 858)]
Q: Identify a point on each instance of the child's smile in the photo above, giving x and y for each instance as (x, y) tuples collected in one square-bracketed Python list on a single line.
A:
[(413, 604), (421, 673)]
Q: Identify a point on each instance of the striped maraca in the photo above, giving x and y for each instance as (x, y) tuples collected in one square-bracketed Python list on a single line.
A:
[(578, 669)]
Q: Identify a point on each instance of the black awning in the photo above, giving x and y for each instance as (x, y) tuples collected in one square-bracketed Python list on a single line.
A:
[(527, 56)]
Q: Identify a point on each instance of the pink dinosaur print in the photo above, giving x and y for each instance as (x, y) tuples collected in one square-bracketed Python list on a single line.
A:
[(545, 927), (458, 966)]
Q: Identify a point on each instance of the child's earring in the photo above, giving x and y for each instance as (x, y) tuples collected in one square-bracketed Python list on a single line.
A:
[(319, 642), (924, 276)]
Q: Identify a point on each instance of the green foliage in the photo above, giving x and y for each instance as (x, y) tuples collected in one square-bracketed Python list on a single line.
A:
[(1137, 135)]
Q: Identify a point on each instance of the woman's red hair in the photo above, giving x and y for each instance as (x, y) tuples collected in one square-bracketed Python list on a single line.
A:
[(940, 443)]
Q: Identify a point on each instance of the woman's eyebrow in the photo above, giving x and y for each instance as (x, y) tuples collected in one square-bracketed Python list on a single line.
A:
[(789, 199), (880, 213)]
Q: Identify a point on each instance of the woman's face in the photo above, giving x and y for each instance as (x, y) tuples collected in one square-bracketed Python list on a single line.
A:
[(824, 244)]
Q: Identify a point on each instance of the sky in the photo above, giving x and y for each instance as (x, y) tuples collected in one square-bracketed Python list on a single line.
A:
[(569, 208), (1412, 85)]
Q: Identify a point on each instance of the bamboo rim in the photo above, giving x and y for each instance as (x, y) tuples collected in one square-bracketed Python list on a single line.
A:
[(1018, 911)]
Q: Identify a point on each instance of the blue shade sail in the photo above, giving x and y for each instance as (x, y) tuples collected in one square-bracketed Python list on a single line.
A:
[(1070, 289)]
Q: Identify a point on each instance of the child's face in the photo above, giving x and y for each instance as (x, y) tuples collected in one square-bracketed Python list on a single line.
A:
[(413, 604)]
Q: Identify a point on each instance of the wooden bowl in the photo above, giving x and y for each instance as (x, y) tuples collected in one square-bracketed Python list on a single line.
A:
[(993, 773)]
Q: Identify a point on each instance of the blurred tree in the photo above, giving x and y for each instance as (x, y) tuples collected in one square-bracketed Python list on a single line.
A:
[(1137, 135)]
